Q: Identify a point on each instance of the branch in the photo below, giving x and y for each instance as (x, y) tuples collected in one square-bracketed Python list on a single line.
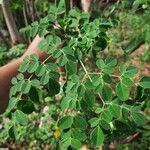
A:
[(86, 73)]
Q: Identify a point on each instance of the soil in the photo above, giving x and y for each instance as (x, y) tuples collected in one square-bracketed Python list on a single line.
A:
[(135, 60)]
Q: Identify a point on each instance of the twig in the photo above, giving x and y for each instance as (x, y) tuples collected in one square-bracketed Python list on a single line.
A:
[(86, 73), (130, 138)]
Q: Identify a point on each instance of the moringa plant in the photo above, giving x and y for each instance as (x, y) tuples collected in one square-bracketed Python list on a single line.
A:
[(97, 99)]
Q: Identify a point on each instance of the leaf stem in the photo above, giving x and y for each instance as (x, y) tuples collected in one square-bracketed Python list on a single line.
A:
[(46, 59), (99, 73), (86, 73)]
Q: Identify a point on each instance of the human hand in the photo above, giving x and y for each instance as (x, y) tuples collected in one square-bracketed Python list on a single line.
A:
[(33, 49)]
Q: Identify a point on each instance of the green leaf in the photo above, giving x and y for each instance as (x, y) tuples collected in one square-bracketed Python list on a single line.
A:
[(110, 62), (122, 68), (107, 78), (54, 75), (40, 70), (12, 91), (20, 76), (115, 110), (51, 17), (65, 143), (12, 103), (97, 137), (122, 91), (74, 13), (73, 23), (106, 115), (20, 118), (80, 122), (81, 90), (23, 67), (57, 53), (62, 60), (105, 125), (145, 82), (34, 30), (66, 134), (89, 98), (71, 67), (88, 85), (97, 80), (60, 6), (19, 85), (54, 39), (76, 144), (98, 110), (125, 114), (138, 117), (73, 103), (32, 67), (14, 80), (26, 87), (108, 70), (53, 87), (78, 134), (100, 64), (94, 121), (107, 93), (139, 94), (12, 132), (35, 83), (26, 106), (78, 54), (51, 66), (65, 122), (65, 103), (107, 66), (130, 72), (127, 82), (44, 45), (45, 78)]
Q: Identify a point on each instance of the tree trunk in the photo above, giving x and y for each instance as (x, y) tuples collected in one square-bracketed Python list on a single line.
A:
[(11, 25), (7, 43), (30, 10), (86, 5)]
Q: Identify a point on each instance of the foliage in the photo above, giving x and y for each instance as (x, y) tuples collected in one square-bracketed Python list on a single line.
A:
[(133, 28), (12, 53), (146, 56), (87, 107)]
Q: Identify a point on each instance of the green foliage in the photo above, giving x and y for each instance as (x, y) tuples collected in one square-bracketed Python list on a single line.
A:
[(14, 52), (97, 137), (146, 56), (91, 107), (143, 3)]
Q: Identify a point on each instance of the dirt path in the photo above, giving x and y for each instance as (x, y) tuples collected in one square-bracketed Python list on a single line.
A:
[(135, 60)]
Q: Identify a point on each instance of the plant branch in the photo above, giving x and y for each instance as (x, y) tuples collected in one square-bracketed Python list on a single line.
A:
[(86, 73), (99, 73)]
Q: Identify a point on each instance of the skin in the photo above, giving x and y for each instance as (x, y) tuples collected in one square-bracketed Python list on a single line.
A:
[(10, 70)]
